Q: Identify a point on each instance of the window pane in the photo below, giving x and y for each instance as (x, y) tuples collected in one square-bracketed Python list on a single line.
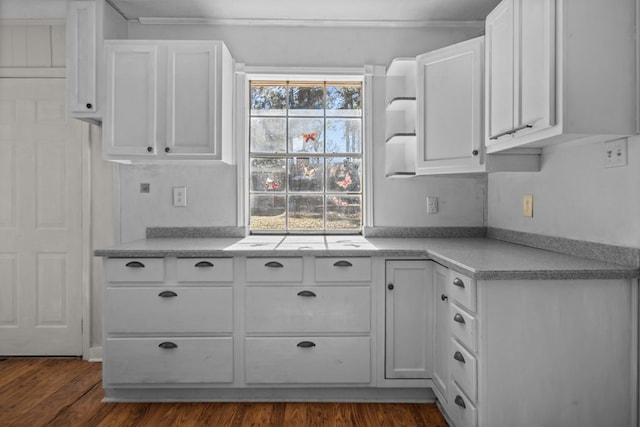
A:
[(343, 174), (268, 135), (268, 174), (344, 212), (306, 100), (344, 100), (268, 100), (306, 212), (268, 212), (306, 174), (306, 136), (344, 136)]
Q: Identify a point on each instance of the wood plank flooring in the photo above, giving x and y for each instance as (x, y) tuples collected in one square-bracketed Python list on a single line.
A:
[(68, 392)]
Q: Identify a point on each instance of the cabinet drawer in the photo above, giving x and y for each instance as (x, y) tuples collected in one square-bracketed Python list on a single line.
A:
[(135, 269), (304, 360), (463, 411), (274, 269), (205, 269), (356, 269), (145, 361), (169, 310), (463, 326), (462, 289), (464, 369), (319, 309)]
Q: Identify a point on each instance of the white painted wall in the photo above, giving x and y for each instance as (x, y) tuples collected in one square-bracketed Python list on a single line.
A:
[(212, 190), (574, 196), (32, 9)]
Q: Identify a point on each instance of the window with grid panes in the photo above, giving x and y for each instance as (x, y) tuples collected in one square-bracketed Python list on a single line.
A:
[(305, 153)]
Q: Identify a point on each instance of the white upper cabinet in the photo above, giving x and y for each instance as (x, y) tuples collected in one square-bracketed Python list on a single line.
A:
[(88, 23), (168, 100), (551, 77)]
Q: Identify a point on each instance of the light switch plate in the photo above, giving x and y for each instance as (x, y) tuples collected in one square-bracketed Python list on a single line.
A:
[(527, 205)]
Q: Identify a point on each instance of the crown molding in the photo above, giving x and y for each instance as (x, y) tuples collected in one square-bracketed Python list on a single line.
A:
[(329, 23)]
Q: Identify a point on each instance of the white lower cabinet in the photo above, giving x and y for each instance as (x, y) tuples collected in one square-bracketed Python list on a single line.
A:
[(538, 352)]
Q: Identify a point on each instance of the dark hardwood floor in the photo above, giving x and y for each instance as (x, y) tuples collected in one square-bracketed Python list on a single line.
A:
[(67, 392)]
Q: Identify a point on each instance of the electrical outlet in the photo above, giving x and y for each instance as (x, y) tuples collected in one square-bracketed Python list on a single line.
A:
[(432, 205), (615, 153), (527, 205), (145, 187), (180, 196)]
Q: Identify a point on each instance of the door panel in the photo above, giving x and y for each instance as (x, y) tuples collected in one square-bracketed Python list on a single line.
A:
[(40, 220)]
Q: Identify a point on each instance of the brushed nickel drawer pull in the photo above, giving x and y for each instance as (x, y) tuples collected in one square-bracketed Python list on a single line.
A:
[(274, 264), (306, 294), (306, 344), (342, 264), (458, 282), (458, 318), (168, 345), (134, 264), (459, 357), (204, 264), (167, 294)]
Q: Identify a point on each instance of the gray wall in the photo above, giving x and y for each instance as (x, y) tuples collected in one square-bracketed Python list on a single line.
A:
[(575, 196)]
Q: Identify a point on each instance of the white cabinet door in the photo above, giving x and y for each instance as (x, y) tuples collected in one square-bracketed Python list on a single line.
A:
[(450, 87), (191, 98), (441, 362), (409, 319), (130, 121), (81, 56), (500, 73)]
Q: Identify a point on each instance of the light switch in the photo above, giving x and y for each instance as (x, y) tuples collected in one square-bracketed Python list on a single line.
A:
[(527, 205)]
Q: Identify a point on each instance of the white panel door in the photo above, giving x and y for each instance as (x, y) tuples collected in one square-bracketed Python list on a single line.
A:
[(40, 220)]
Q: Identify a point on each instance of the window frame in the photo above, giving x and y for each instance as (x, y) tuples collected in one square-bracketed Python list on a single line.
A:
[(361, 76)]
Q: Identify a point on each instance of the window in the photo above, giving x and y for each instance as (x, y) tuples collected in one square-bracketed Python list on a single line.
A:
[(305, 148)]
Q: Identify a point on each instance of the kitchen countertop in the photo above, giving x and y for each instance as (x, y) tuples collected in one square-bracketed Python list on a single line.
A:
[(480, 258)]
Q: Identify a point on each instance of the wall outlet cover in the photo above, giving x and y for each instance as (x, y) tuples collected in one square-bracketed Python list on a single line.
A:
[(527, 205), (180, 196), (615, 153)]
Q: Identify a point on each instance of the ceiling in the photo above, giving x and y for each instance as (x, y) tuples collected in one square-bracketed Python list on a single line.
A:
[(310, 10)]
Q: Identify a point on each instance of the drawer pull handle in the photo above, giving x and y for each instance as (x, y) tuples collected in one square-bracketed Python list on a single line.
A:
[(443, 297), (460, 402), (459, 357), (167, 294), (459, 283), (458, 318), (342, 264), (306, 344), (204, 264), (168, 345), (274, 264), (390, 286), (135, 264), (306, 294)]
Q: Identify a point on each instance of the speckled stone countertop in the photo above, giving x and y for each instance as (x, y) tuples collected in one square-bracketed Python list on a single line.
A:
[(480, 258)]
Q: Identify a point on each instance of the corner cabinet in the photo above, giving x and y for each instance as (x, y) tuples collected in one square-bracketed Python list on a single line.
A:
[(551, 78), (89, 22), (450, 139), (168, 100)]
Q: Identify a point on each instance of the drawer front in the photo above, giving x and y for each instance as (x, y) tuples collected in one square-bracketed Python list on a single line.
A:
[(462, 289), (135, 269), (464, 369), (205, 269), (319, 309), (463, 326), (305, 360), (169, 310), (463, 411), (146, 361), (274, 269), (353, 269)]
